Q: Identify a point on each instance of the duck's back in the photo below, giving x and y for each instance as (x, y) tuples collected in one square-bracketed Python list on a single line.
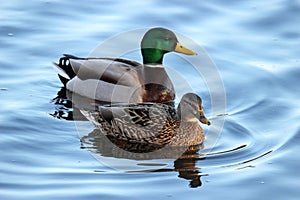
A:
[(150, 124), (115, 79)]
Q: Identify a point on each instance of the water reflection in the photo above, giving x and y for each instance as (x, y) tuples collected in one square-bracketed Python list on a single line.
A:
[(185, 165), (64, 107)]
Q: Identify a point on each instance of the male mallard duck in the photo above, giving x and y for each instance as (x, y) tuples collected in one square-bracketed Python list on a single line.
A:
[(121, 80), (156, 123)]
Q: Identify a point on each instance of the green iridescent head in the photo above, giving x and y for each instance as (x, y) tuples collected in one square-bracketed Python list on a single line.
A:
[(158, 41)]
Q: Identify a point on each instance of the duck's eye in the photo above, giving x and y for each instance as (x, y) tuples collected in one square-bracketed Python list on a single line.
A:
[(167, 39)]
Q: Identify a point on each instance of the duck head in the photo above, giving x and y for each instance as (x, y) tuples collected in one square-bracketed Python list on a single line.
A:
[(190, 109), (159, 41)]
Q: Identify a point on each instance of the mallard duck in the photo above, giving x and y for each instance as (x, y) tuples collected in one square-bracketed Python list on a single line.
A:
[(121, 80), (156, 123)]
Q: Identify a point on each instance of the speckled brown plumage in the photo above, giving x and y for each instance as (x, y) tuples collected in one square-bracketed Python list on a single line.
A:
[(158, 124)]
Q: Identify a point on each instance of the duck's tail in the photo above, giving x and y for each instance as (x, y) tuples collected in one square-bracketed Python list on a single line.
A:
[(64, 68)]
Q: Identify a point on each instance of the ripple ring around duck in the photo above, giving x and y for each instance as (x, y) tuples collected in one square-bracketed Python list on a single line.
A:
[(198, 75)]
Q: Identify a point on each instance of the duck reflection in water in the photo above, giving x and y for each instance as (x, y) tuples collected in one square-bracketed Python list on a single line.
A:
[(144, 131), (185, 162)]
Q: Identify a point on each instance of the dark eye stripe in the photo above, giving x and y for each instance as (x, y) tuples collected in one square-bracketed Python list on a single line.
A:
[(193, 105)]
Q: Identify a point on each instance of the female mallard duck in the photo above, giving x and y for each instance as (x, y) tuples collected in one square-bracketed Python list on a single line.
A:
[(121, 80), (157, 123)]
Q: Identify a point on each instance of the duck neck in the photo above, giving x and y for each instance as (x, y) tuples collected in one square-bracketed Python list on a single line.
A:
[(152, 56)]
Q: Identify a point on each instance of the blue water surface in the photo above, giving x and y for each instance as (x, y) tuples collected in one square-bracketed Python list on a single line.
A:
[(255, 48)]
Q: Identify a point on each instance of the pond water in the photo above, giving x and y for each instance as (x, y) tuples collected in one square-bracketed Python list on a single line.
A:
[(254, 46)]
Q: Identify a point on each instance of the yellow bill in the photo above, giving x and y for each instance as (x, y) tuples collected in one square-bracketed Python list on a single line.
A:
[(181, 49)]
